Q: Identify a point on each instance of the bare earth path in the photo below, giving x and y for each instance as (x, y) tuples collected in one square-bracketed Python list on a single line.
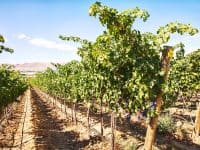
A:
[(35, 125), (50, 130), (24, 138), (9, 128)]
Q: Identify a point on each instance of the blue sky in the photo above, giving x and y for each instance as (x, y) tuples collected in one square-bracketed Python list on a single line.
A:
[(32, 27)]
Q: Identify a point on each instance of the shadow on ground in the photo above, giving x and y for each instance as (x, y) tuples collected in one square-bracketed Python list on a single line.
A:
[(49, 129)]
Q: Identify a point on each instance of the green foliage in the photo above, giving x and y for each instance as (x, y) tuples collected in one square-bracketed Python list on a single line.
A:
[(131, 146), (63, 82), (2, 39), (122, 67), (181, 52), (12, 85), (164, 32), (166, 124), (117, 22), (2, 47), (184, 78)]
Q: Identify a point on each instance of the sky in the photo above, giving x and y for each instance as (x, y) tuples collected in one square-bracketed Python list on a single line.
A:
[(32, 27)]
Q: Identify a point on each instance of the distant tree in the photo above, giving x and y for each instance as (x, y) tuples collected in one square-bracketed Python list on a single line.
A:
[(181, 52), (2, 47)]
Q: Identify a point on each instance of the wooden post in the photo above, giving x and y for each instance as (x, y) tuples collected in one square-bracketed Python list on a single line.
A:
[(6, 114), (72, 112), (197, 126), (112, 131), (61, 104), (151, 129), (75, 119), (101, 107), (65, 106), (88, 121), (54, 101)]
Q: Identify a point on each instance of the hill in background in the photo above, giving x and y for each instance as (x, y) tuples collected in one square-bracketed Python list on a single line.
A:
[(32, 68)]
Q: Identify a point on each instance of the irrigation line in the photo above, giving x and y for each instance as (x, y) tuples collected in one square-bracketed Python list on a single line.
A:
[(22, 135)]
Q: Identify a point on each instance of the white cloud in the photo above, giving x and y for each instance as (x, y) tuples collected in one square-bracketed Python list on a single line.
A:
[(41, 42), (23, 36)]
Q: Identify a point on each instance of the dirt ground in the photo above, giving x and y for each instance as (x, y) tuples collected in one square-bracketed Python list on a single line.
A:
[(36, 124), (56, 131), (10, 125), (132, 136)]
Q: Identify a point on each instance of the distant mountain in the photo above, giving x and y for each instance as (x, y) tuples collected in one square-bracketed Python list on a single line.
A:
[(33, 67)]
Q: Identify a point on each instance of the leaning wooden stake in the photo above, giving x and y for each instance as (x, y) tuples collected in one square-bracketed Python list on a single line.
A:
[(151, 129)]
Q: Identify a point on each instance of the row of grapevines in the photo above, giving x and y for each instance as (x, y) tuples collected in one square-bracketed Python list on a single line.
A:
[(123, 68), (12, 83), (184, 80)]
